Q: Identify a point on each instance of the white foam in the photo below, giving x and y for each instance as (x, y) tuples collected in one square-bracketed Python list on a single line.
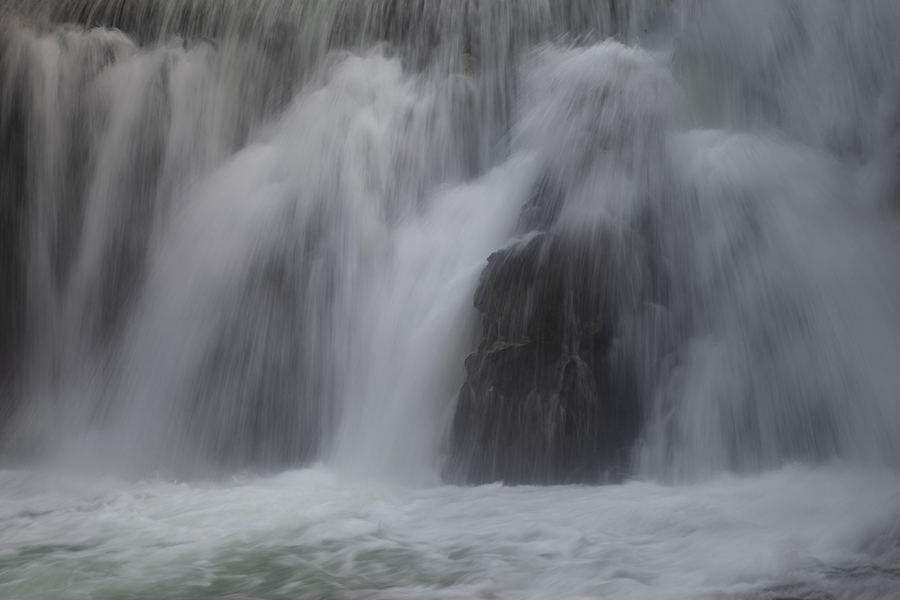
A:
[(315, 533)]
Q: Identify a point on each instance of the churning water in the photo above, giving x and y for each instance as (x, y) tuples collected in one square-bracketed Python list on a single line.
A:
[(796, 533), (282, 279)]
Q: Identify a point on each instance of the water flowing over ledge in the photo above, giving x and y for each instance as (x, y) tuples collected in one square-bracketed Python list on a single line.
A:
[(335, 262), (248, 235)]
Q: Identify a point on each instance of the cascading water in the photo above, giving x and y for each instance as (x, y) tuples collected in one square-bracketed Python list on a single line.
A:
[(395, 248)]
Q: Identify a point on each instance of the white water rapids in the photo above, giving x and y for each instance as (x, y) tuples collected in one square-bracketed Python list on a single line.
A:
[(239, 246), (794, 533)]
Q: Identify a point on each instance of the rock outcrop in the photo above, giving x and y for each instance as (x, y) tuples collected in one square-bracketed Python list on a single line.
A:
[(553, 392)]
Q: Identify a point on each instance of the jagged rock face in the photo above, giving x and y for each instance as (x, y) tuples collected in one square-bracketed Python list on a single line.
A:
[(552, 393)]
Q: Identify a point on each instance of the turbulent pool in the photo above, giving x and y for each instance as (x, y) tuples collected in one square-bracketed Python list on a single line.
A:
[(794, 533)]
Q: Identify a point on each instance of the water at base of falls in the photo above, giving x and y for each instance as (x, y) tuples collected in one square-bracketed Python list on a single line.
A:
[(283, 281), (794, 533)]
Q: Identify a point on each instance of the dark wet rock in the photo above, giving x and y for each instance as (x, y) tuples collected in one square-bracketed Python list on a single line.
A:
[(553, 392), (544, 206)]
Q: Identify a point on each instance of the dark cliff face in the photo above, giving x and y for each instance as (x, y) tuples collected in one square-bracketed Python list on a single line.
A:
[(553, 392)]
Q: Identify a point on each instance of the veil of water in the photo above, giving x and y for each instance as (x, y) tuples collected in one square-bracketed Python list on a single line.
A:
[(282, 280)]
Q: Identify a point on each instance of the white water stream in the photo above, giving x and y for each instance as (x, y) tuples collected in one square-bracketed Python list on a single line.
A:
[(239, 295)]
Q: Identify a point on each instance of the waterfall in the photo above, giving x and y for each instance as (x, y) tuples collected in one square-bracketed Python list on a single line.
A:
[(471, 241)]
